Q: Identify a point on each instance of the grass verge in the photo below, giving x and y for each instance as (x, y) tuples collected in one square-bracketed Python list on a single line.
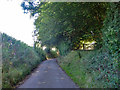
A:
[(90, 69)]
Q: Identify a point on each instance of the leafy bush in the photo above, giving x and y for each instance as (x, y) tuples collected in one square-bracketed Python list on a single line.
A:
[(18, 60), (111, 38), (50, 53), (64, 48), (53, 54), (94, 69), (98, 68), (41, 53), (75, 67)]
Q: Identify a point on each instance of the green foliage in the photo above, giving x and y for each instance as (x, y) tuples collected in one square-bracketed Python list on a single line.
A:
[(94, 69), (50, 53), (111, 31), (64, 48), (65, 25), (75, 68), (18, 60), (40, 52), (98, 68), (111, 35), (69, 22), (47, 50)]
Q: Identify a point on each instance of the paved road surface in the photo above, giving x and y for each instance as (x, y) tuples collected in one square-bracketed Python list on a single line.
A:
[(48, 75)]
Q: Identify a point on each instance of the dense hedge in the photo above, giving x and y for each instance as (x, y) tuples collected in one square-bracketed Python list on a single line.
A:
[(98, 68), (94, 69), (111, 39), (111, 31), (18, 60)]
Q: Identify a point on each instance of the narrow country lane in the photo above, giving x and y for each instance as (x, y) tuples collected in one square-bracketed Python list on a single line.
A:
[(48, 75)]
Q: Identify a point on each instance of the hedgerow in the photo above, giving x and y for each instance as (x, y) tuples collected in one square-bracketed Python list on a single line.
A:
[(98, 68), (19, 60)]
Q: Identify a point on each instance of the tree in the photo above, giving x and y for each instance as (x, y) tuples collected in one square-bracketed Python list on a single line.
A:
[(68, 22)]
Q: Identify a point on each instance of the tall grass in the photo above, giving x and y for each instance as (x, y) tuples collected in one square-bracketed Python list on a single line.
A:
[(18, 60), (95, 69)]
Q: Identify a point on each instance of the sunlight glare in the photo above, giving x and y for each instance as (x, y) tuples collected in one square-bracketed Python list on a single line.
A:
[(54, 49), (44, 47)]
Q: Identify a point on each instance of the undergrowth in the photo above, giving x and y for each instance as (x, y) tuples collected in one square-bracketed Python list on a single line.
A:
[(98, 68), (18, 61), (92, 70)]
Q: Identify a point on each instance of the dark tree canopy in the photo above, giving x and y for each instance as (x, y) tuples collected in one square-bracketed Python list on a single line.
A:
[(68, 21)]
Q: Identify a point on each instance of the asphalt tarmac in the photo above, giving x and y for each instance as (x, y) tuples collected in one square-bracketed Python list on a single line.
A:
[(48, 75)]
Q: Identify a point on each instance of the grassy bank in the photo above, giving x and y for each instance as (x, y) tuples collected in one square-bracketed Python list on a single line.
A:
[(18, 60), (90, 69)]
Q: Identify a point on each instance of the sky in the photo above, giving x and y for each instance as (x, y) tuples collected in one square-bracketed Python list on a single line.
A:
[(14, 22)]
